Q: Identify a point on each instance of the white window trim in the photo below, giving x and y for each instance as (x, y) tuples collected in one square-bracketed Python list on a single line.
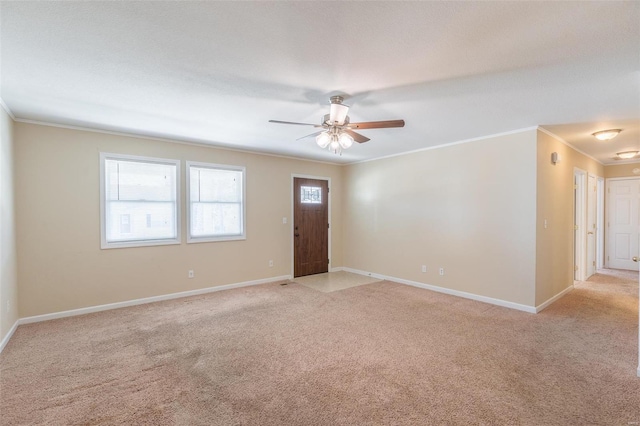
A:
[(242, 169), (104, 244)]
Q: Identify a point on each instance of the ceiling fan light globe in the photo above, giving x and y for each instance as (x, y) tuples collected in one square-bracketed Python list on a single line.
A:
[(335, 146), (323, 140), (345, 140)]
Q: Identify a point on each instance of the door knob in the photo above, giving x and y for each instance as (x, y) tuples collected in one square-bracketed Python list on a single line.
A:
[(296, 235), (634, 258), (590, 233)]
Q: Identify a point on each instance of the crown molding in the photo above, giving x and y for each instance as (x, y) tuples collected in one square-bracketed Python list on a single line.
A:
[(176, 141), (6, 108), (623, 162), (445, 145)]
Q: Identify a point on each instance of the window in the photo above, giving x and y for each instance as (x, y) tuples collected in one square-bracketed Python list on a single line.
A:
[(215, 202), (311, 195), (139, 201)]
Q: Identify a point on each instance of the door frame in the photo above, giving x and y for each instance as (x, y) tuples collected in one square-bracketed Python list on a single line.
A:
[(293, 201), (600, 223), (588, 228), (579, 221)]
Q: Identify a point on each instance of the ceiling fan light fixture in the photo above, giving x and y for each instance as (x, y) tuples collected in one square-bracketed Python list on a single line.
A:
[(345, 140), (606, 135), (334, 146), (338, 133), (323, 139), (627, 154)]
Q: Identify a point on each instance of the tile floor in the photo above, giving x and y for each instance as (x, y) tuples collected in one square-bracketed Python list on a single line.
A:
[(334, 281)]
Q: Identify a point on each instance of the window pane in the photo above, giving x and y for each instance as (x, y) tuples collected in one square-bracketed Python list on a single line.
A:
[(140, 220), (140, 201), (215, 185), (311, 194), (215, 202), (219, 219), (135, 180)]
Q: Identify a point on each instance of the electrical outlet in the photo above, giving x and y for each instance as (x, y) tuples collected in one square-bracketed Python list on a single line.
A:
[(270, 263), (191, 274), (284, 220), (441, 271), (424, 268)]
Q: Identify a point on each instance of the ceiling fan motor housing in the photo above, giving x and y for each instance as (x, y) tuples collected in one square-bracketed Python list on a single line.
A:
[(326, 120)]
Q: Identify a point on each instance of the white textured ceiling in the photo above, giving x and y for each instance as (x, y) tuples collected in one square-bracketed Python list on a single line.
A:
[(216, 72)]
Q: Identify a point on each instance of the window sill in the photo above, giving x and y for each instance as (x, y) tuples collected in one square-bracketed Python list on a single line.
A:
[(127, 244), (191, 240)]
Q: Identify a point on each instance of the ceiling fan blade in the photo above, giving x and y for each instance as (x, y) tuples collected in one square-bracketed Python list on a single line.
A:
[(312, 134), (291, 122), (377, 124), (356, 136)]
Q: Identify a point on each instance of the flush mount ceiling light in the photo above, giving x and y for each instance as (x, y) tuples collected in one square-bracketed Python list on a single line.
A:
[(338, 133), (605, 135), (627, 154)]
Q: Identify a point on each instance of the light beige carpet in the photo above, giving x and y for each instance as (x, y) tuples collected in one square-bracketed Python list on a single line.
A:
[(381, 353)]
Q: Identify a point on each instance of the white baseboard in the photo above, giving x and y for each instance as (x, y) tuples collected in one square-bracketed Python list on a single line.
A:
[(337, 269), (117, 305), (553, 299), (8, 336), (491, 300)]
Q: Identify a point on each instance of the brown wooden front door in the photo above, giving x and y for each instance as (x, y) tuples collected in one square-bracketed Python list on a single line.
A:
[(310, 226)]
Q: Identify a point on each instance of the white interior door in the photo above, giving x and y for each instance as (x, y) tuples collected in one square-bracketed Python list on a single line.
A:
[(622, 218), (592, 193)]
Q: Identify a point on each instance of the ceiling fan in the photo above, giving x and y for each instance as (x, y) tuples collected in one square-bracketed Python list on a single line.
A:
[(338, 133)]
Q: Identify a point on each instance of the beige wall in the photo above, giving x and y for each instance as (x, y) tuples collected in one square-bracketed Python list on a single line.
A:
[(60, 263), (554, 247), (469, 208), (476, 209), (8, 265), (621, 170)]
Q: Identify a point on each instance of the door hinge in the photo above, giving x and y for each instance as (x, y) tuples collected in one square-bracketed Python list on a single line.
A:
[(328, 261), (594, 263), (328, 225), (575, 227), (575, 268), (575, 186)]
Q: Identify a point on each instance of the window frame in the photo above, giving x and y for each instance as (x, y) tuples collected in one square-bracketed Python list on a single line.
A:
[(210, 239), (104, 244)]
